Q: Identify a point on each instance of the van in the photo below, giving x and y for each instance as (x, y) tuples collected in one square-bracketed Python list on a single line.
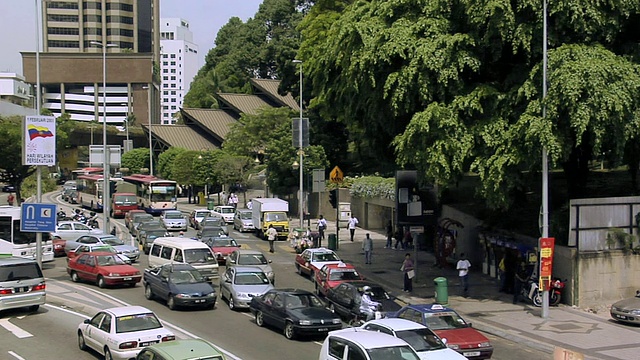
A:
[(173, 249), (357, 343), (21, 283)]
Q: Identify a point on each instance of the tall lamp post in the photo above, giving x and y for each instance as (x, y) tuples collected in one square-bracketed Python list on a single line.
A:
[(300, 153), (105, 154)]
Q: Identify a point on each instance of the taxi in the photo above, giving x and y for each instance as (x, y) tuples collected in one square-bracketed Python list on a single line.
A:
[(447, 324), (332, 275), (312, 260)]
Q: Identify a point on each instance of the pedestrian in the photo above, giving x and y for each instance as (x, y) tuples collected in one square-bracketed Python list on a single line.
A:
[(399, 235), (353, 222), (408, 238), (322, 226), (272, 234), (230, 199), (234, 200), (502, 273), (521, 278), (11, 199), (367, 246), (463, 273), (409, 273), (250, 204), (389, 235), (114, 231)]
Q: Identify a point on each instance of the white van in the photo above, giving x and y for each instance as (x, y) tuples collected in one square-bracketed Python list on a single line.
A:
[(21, 283), (173, 249), (357, 343)]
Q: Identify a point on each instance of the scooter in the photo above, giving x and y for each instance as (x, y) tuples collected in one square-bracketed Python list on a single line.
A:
[(532, 292), (93, 221), (360, 318), (555, 293)]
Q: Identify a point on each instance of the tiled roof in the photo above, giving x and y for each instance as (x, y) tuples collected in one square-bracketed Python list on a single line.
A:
[(243, 103), (180, 136), (217, 122), (269, 87)]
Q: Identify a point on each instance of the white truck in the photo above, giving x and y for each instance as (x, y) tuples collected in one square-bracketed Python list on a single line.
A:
[(270, 211)]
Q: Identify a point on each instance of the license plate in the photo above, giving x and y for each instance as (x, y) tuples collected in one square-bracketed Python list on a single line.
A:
[(621, 317), (323, 329), (143, 344), (199, 301), (128, 278), (471, 353)]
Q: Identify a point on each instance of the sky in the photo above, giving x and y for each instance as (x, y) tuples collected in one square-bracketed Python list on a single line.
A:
[(205, 18)]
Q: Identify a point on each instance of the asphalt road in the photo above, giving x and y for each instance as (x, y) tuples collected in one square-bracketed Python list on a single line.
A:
[(53, 330)]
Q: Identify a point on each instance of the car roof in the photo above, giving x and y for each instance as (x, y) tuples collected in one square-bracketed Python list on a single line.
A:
[(244, 210), (179, 266), (430, 308), (172, 211), (248, 251), (193, 348), (100, 253), (128, 310), (10, 260), (397, 324), (70, 222), (340, 265), (368, 339), (320, 250), (224, 207), (294, 291)]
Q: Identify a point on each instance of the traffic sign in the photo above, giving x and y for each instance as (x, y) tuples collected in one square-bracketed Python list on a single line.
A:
[(336, 176), (38, 217)]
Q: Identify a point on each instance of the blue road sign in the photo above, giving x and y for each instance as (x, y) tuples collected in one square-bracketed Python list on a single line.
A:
[(38, 217)]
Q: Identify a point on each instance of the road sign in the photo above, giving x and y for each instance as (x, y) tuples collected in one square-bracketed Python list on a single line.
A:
[(336, 176), (38, 217), (319, 180)]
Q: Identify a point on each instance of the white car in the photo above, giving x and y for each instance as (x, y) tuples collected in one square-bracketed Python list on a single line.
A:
[(122, 332), (425, 342), (353, 343), (196, 216), (71, 230), (225, 212)]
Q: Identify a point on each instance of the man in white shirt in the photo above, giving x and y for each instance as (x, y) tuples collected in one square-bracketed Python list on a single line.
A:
[(463, 272), (353, 222), (322, 226), (271, 234)]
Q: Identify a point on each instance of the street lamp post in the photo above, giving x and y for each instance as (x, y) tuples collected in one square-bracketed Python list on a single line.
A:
[(300, 153), (105, 153)]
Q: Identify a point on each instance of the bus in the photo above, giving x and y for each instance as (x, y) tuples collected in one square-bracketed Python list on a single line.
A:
[(75, 174), (154, 195), (89, 189), (18, 243)]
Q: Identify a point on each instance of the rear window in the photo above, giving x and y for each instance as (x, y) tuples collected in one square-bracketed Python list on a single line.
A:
[(124, 200), (16, 272)]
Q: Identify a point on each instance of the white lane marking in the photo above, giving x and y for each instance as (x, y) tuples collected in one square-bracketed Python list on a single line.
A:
[(18, 332), (16, 355)]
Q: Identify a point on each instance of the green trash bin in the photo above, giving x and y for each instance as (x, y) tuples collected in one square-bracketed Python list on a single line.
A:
[(333, 242), (210, 205), (442, 292)]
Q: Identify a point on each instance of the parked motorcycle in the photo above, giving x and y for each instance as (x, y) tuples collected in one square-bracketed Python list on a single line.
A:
[(62, 216), (555, 293), (79, 216), (532, 292), (93, 221)]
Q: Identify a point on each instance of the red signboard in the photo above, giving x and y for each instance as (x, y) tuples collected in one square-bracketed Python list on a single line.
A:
[(546, 261)]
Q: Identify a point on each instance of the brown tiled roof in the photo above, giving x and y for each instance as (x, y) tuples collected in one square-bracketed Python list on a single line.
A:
[(217, 122), (243, 103), (180, 136), (269, 87)]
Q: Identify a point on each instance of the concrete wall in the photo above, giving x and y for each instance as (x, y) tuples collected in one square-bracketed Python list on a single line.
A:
[(606, 277), (467, 240)]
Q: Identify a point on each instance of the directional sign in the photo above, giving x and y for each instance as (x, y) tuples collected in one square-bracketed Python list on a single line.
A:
[(336, 175), (38, 217)]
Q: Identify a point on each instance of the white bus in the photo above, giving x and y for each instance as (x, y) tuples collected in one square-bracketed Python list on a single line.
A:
[(18, 243), (89, 188), (154, 195)]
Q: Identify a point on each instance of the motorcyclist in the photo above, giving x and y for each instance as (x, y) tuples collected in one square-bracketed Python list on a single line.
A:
[(367, 305)]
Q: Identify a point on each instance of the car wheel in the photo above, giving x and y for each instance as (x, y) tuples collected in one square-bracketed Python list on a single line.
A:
[(259, 318), (107, 354), (171, 302), (81, 344), (289, 332), (147, 292), (232, 305), (101, 282), (75, 277)]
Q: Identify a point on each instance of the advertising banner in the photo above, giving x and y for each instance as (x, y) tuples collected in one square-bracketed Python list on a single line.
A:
[(546, 261), (39, 144)]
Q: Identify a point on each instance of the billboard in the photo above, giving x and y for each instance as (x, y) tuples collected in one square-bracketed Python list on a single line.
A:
[(39, 141)]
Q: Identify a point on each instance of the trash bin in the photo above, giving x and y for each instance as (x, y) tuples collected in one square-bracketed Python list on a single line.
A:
[(333, 242), (210, 205), (201, 199), (442, 293)]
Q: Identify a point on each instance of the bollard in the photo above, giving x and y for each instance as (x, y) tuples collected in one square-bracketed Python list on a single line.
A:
[(333, 242)]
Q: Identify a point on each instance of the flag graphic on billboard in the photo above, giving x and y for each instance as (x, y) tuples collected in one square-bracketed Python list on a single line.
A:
[(39, 131), (39, 140)]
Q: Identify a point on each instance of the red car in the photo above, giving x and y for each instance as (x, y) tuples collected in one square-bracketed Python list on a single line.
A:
[(58, 246), (312, 260), (104, 269), (332, 275), (222, 246)]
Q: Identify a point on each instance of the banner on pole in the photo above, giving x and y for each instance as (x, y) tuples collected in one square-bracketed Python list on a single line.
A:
[(546, 261), (39, 141)]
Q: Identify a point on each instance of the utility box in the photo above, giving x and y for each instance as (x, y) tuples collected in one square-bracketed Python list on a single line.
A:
[(344, 211)]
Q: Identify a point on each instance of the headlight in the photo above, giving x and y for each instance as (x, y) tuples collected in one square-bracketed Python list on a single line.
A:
[(210, 295), (613, 308), (183, 296), (635, 312), (114, 274), (484, 344), (453, 346), (305, 322), (337, 321)]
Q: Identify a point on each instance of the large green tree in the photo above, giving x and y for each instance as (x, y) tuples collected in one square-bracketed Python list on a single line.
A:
[(135, 160), (165, 162)]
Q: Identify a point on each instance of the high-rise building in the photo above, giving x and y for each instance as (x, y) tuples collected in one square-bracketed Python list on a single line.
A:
[(178, 65)]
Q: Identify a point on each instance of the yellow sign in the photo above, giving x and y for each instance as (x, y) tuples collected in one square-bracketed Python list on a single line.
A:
[(336, 175)]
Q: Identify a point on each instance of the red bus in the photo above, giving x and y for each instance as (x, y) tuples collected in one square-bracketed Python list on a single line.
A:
[(122, 203)]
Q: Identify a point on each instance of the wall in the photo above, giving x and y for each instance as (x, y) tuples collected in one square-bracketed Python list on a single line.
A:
[(605, 277), (467, 240)]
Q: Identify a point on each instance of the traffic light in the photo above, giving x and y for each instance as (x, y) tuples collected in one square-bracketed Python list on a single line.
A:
[(333, 198)]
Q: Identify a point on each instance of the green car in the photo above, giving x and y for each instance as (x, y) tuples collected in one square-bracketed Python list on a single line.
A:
[(190, 349)]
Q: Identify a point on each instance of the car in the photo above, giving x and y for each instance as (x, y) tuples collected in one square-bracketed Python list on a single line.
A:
[(214, 220), (242, 220), (331, 275), (311, 260), (344, 299), (58, 246), (221, 246), (146, 224), (130, 251), (353, 343), (174, 220), (180, 285), (239, 284), (225, 212), (8, 188), (196, 216), (85, 248), (102, 268), (627, 310), (71, 230), (425, 342), (22, 284), (296, 312), (210, 231), (246, 257), (448, 324), (184, 349), (122, 332), (131, 216), (70, 196), (146, 237)]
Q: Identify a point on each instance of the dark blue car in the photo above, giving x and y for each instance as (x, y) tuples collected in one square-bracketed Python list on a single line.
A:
[(179, 285)]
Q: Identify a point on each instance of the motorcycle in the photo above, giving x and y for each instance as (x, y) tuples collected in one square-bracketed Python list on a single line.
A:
[(62, 216), (79, 216), (93, 221), (532, 292), (360, 318), (555, 293)]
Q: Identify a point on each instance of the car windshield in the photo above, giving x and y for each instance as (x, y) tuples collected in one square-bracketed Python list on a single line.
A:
[(275, 216), (226, 210), (338, 275), (112, 240), (109, 260), (421, 339), (142, 218), (302, 301), (322, 257), (103, 248), (444, 321), (213, 231), (124, 199), (173, 215), (252, 259), (199, 256), (201, 213), (137, 322), (212, 221), (152, 234), (245, 215), (186, 277), (402, 352), (251, 278), (222, 242)]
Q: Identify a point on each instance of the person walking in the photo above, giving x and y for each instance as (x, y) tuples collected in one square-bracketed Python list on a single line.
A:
[(502, 273), (271, 234), (463, 273), (11, 199), (521, 278), (389, 235), (353, 222), (367, 246), (322, 226), (399, 236), (234, 200), (409, 273)]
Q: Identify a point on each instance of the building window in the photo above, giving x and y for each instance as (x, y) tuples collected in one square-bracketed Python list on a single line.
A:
[(63, 18), (63, 44), (121, 32), (165, 63), (63, 31), (165, 85), (173, 63), (165, 78), (165, 71), (173, 108), (173, 56), (173, 71), (173, 92), (120, 19), (92, 18), (173, 85), (92, 31), (173, 78), (166, 107), (165, 93), (119, 6), (63, 5), (165, 100), (173, 99), (164, 56)]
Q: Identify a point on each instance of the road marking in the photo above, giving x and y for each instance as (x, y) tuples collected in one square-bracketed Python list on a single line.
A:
[(18, 332), (16, 355)]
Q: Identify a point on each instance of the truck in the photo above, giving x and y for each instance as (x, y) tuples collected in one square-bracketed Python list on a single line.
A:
[(270, 211)]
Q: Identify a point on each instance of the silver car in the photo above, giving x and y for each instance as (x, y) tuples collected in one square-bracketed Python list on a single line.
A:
[(174, 220), (627, 310), (246, 257), (240, 284), (242, 221)]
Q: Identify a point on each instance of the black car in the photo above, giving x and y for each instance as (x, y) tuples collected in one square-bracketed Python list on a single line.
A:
[(146, 238), (8, 188), (297, 312), (179, 285), (210, 231), (213, 221), (344, 299)]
